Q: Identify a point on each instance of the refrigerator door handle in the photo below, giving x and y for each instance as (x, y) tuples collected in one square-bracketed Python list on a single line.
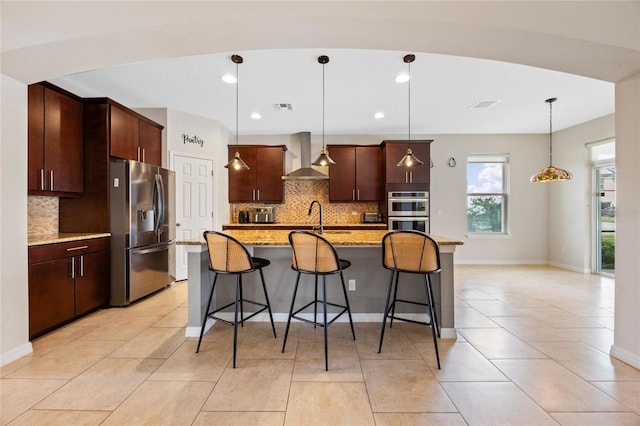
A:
[(153, 249), (160, 206)]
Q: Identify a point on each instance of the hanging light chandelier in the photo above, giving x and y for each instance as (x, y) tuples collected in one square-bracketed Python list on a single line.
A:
[(409, 160), (551, 173), (236, 163), (323, 159)]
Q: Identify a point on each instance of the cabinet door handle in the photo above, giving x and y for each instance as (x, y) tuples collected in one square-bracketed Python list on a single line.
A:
[(410, 177), (258, 194), (143, 155), (358, 195), (77, 248), (51, 181), (82, 266), (138, 153), (73, 267), (42, 179), (253, 195), (353, 194)]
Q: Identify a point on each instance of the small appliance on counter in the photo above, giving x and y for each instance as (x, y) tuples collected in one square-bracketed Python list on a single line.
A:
[(243, 216), (262, 215), (371, 217)]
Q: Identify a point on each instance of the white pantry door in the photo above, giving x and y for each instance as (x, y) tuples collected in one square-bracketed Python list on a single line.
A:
[(194, 204)]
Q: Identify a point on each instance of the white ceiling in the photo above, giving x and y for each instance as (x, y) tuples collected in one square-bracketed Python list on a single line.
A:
[(358, 83)]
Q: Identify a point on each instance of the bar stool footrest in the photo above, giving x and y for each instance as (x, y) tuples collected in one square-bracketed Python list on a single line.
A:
[(242, 320), (321, 324), (406, 319)]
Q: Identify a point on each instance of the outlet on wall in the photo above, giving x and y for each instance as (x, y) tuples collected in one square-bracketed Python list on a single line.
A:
[(352, 285)]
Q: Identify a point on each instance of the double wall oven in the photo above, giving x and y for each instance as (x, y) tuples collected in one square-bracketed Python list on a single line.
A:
[(408, 210)]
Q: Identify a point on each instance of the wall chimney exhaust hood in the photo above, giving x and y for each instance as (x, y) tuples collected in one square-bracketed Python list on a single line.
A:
[(305, 172)]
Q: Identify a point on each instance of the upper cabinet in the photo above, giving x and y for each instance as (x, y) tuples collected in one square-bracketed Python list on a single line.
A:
[(357, 174), (393, 151), (263, 181), (55, 128), (134, 137)]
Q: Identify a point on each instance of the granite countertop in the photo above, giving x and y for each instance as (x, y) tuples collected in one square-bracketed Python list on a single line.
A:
[(371, 238), (37, 240), (309, 225)]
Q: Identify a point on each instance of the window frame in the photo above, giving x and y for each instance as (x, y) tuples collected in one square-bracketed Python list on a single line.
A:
[(504, 160)]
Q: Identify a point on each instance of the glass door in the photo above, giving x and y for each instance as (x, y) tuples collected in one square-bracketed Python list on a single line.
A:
[(606, 219)]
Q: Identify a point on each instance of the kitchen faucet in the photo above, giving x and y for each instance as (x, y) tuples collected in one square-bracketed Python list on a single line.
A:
[(320, 229)]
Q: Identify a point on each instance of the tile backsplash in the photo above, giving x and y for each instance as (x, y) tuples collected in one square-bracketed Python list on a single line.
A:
[(42, 214), (298, 195)]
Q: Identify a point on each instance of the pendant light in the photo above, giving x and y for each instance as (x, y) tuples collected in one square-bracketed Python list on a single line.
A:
[(551, 173), (236, 163), (409, 160), (323, 159)]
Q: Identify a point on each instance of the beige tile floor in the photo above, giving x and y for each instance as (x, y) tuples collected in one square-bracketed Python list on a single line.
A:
[(531, 350)]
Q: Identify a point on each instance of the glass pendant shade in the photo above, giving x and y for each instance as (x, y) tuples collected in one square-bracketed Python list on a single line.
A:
[(551, 173), (409, 160), (323, 159), (237, 163)]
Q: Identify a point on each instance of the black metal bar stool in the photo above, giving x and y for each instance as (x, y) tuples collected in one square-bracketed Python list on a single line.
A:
[(314, 255), (228, 256), (410, 252)]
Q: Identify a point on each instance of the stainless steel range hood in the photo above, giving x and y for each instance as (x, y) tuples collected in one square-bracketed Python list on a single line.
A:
[(305, 172)]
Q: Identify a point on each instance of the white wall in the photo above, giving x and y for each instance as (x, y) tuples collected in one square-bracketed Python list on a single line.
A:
[(570, 203), (14, 296), (526, 242), (215, 138), (627, 320)]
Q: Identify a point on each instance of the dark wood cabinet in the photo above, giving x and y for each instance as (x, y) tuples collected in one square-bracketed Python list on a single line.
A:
[(263, 181), (393, 151), (357, 174), (125, 133), (134, 137), (55, 129), (110, 128), (66, 280), (150, 143)]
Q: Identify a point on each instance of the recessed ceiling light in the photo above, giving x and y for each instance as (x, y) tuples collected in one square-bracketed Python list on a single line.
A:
[(402, 78), (256, 116), (378, 115), (229, 78), (484, 104)]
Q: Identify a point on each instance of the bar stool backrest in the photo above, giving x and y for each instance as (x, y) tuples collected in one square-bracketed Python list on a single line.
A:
[(410, 251), (226, 254), (312, 253)]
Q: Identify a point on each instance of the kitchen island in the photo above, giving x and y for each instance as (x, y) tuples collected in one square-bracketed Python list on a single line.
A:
[(362, 248)]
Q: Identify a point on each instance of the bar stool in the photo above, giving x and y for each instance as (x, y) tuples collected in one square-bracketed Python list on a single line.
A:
[(410, 252), (314, 255), (228, 256)]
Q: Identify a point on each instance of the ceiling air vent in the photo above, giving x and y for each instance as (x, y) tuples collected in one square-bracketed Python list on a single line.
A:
[(283, 107), (483, 104)]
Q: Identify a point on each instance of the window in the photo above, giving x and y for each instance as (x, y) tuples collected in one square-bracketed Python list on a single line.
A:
[(487, 194)]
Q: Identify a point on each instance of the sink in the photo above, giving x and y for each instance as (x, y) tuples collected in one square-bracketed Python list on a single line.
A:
[(337, 231)]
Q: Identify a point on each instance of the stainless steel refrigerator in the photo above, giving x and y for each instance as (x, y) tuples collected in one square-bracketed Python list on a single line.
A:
[(142, 203)]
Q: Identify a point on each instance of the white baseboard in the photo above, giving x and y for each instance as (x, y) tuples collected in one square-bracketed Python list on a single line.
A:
[(500, 262), (571, 267), (195, 331), (524, 262), (16, 353), (625, 356)]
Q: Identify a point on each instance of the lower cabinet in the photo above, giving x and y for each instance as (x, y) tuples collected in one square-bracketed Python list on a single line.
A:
[(66, 280)]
